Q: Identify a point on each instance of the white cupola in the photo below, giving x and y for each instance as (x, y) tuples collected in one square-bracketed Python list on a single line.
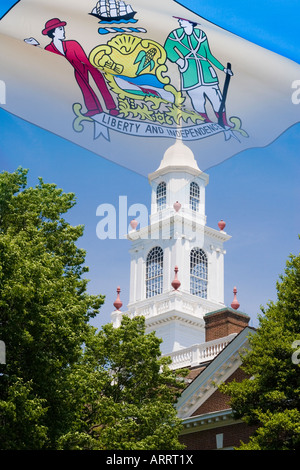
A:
[(177, 262), (178, 180)]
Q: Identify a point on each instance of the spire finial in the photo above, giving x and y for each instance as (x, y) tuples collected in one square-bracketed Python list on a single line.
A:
[(177, 206), (221, 225), (235, 304), (176, 283), (118, 304), (134, 224)]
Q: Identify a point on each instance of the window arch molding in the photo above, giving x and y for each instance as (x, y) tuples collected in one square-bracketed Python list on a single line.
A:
[(198, 272), (154, 271)]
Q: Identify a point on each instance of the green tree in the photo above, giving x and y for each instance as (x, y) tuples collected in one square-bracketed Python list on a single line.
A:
[(270, 400), (44, 311), (133, 408), (65, 385)]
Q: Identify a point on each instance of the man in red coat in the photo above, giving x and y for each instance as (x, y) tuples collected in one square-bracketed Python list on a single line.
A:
[(74, 53)]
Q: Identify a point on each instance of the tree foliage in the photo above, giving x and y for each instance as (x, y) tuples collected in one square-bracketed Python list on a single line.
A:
[(133, 407), (44, 310), (270, 400), (65, 385)]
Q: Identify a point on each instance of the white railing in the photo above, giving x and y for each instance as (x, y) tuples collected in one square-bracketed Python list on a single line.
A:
[(199, 353), (154, 308)]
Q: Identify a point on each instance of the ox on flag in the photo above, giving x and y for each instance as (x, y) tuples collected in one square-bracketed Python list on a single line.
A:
[(124, 79)]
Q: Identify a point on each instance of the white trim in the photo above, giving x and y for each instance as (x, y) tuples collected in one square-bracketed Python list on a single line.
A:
[(217, 372), (174, 302), (190, 218), (206, 421), (178, 169), (199, 354)]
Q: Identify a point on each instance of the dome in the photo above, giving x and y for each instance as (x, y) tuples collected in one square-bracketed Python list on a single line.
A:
[(177, 159), (179, 155)]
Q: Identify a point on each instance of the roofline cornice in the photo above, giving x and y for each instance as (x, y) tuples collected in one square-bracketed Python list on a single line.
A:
[(208, 421), (178, 169), (219, 370), (140, 234)]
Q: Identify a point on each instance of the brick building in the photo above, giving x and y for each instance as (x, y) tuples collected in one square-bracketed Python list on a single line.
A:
[(177, 284), (205, 411)]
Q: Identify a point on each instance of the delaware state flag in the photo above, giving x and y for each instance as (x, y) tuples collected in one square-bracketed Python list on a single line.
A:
[(125, 78)]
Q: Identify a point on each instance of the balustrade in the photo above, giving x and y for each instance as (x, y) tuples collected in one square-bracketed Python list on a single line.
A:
[(199, 353)]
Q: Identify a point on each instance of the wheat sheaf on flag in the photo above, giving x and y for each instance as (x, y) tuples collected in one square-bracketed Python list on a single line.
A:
[(124, 79)]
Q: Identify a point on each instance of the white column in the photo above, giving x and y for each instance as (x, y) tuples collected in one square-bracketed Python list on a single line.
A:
[(140, 277)]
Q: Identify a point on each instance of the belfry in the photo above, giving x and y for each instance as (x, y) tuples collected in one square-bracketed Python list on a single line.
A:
[(177, 261)]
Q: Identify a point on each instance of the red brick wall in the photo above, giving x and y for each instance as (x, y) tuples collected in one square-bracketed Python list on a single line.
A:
[(223, 323), (233, 435), (219, 401)]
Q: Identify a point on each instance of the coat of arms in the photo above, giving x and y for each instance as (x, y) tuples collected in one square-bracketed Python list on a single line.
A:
[(131, 73)]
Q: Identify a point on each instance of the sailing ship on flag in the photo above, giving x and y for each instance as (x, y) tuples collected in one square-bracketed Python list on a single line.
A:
[(113, 11)]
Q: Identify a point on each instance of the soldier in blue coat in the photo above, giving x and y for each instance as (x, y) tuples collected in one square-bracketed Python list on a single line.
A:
[(188, 47)]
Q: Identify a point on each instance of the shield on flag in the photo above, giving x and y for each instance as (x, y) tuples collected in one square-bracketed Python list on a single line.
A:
[(125, 79)]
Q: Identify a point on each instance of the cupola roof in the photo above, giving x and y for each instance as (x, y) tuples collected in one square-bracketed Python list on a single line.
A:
[(178, 157)]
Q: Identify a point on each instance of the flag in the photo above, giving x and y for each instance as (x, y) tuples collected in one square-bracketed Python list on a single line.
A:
[(124, 79)]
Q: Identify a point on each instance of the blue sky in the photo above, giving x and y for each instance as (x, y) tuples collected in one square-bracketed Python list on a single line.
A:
[(255, 192)]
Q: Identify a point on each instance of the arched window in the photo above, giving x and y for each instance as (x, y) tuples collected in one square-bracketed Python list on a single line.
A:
[(161, 196), (198, 273), (194, 196), (154, 272)]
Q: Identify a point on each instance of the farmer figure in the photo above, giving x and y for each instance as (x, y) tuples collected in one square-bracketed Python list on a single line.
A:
[(188, 47)]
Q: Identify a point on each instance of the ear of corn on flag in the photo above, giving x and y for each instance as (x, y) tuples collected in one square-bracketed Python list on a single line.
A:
[(124, 79)]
